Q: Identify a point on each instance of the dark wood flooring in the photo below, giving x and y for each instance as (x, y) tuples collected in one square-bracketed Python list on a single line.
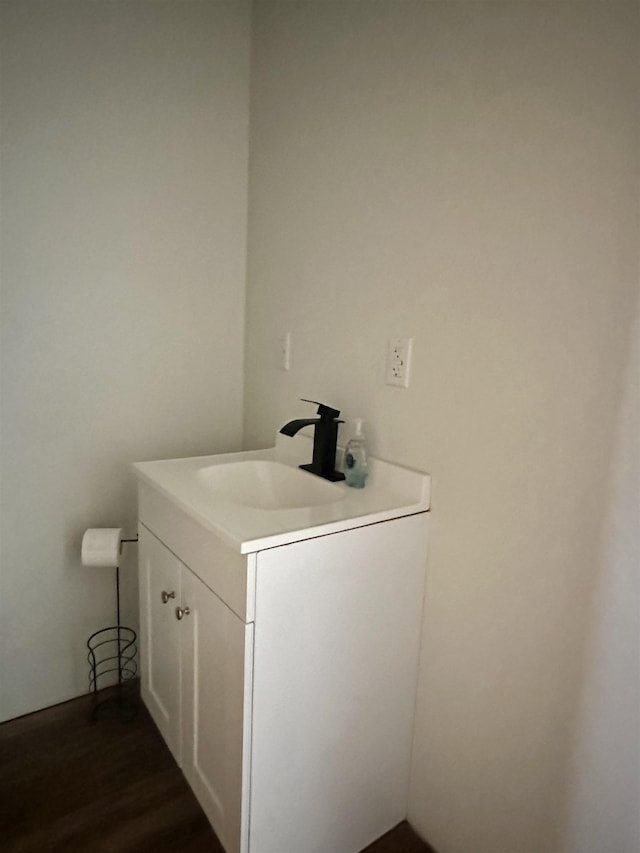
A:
[(70, 785)]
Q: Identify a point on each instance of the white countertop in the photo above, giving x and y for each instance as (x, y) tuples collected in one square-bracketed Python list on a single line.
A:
[(391, 492)]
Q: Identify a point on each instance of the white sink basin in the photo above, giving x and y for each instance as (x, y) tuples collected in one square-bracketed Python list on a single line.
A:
[(261, 484), (258, 499)]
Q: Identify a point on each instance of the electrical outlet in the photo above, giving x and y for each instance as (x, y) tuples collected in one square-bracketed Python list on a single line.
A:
[(284, 351), (399, 361)]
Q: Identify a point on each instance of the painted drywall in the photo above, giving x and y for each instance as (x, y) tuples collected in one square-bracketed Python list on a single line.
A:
[(466, 174), (606, 773), (124, 192)]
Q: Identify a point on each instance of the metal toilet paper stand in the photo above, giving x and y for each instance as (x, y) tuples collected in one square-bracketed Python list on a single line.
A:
[(113, 667)]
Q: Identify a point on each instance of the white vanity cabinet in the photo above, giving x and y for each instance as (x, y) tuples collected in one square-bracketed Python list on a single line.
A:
[(286, 692)]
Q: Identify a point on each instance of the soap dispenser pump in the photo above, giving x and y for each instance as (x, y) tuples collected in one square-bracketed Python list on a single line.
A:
[(356, 469)]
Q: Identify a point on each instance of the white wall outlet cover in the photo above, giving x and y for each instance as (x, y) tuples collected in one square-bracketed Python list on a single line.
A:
[(399, 361), (284, 351)]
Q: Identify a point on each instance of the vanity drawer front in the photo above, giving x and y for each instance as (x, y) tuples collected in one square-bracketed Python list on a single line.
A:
[(230, 575)]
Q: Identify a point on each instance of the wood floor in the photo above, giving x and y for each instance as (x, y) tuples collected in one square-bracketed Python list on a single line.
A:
[(108, 787)]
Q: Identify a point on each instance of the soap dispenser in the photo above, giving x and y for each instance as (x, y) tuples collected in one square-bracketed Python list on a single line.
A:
[(355, 459)]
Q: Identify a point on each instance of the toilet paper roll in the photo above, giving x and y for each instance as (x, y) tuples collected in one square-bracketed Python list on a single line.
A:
[(101, 547)]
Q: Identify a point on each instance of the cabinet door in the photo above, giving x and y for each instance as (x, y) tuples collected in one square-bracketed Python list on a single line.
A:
[(217, 657), (159, 574)]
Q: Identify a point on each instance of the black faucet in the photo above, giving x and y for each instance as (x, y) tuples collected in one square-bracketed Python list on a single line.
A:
[(325, 440)]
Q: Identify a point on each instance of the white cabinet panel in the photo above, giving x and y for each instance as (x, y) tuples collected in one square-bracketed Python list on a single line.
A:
[(336, 652), (197, 685), (215, 647), (159, 572)]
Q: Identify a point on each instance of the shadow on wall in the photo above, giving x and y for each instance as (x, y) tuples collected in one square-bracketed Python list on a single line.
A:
[(604, 787)]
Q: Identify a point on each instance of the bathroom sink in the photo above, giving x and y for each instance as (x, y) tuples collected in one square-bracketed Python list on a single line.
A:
[(256, 499), (262, 484)]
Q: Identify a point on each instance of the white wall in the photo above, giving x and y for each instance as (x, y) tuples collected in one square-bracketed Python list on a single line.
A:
[(466, 173), (124, 165)]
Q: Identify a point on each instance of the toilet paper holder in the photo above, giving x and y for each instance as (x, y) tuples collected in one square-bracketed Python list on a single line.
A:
[(113, 668)]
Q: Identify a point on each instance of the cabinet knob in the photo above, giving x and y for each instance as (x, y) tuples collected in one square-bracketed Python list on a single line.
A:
[(167, 595), (181, 612)]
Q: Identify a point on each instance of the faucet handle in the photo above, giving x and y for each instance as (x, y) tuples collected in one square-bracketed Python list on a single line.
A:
[(325, 412)]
